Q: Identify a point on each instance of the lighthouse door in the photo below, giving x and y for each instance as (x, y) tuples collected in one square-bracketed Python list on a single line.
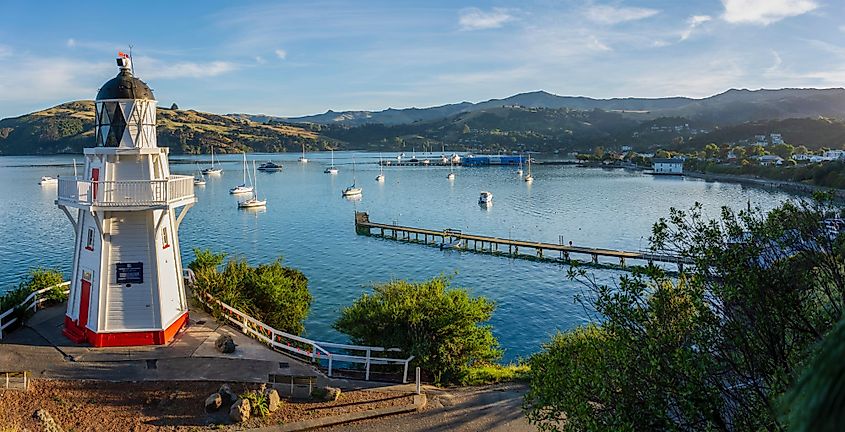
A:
[(84, 299)]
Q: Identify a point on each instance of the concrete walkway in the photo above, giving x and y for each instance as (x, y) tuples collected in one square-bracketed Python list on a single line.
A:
[(494, 408), (41, 348)]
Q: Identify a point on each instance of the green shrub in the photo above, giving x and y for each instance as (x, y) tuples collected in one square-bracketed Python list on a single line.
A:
[(271, 293), (37, 279), (439, 325), (495, 373), (258, 401)]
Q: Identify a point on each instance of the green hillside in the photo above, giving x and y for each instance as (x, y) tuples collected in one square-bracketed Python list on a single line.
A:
[(69, 127)]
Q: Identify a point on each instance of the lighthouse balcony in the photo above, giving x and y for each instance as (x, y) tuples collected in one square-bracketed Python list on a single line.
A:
[(175, 191)]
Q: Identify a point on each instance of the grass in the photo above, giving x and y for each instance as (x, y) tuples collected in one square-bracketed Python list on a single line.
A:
[(495, 373)]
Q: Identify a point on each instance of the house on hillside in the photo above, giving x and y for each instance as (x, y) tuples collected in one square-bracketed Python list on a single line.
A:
[(769, 160), (834, 154), (667, 166), (776, 138), (761, 140)]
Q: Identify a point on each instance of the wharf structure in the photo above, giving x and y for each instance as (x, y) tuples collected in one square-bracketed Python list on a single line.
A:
[(126, 287), (455, 239)]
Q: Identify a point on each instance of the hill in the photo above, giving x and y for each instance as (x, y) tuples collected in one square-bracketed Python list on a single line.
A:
[(69, 127), (731, 107), (813, 133)]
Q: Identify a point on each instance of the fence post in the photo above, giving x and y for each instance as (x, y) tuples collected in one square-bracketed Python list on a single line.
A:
[(405, 373), (367, 376), (330, 364), (418, 380)]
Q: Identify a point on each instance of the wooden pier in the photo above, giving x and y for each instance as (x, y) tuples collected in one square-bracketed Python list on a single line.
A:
[(449, 238)]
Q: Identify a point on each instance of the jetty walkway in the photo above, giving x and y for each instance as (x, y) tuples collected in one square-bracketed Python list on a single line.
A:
[(456, 239)]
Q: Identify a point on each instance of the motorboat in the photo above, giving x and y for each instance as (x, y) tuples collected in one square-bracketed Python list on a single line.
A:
[(253, 202), (47, 180), (331, 169), (242, 188), (486, 198), (212, 170), (451, 175), (302, 159), (270, 166)]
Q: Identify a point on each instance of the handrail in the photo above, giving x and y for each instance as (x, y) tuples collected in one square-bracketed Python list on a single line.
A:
[(32, 301), (273, 337), (75, 190)]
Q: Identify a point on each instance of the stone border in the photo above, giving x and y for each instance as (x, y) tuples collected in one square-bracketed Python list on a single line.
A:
[(418, 404)]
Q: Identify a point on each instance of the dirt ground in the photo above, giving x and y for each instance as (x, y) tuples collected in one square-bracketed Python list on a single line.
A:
[(160, 406)]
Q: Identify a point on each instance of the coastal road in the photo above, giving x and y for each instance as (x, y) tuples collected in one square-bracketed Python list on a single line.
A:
[(489, 409)]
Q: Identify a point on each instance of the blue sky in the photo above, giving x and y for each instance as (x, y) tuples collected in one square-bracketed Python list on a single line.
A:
[(286, 58)]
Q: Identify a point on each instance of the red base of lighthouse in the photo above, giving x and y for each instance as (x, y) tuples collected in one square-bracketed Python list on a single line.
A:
[(79, 335)]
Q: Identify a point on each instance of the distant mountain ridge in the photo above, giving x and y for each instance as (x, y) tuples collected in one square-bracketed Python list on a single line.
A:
[(731, 107)]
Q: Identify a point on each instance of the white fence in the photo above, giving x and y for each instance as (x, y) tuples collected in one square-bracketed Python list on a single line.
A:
[(317, 352), (74, 191), (32, 301)]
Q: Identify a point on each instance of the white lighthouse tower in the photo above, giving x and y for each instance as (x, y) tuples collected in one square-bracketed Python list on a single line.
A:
[(127, 286)]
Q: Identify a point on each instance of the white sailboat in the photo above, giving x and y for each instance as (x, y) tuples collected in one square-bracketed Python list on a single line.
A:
[(451, 175), (519, 171), (199, 180), (302, 158), (212, 170), (253, 202), (528, 177), (242, 188), (353, 190), (380, 176), (331, 169)]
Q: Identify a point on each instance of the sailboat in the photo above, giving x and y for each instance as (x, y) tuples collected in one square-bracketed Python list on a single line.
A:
[(242, 188), (451, 175), (519, 171), (212, 170), (302, 158), (331, 169), (253, 202), (528, 177), (380, 176), (199, 180), (352, 190)]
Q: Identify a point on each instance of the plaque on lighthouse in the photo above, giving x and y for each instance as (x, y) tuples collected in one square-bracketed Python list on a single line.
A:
[(127, 286)]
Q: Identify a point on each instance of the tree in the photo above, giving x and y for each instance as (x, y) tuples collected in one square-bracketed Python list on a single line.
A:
[(801, 150), (711, 150), (783, 150), (715, 349), (174, 106), (739, 152), (662, 154), (439, 325), (598, 152), (756, 150)]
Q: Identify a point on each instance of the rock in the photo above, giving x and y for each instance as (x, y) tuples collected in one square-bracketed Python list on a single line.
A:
[(213, 402), (239, 412), (227, 394), (274, 402), (327, 394), (225, 344), (47, 422)]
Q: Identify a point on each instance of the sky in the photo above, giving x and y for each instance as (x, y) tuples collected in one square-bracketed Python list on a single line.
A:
[(298, 58)]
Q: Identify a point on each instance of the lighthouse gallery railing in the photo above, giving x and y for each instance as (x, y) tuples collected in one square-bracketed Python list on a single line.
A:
[(73, 190)]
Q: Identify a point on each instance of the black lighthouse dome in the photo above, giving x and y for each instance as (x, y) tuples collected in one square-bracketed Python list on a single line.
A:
[(125, 86)]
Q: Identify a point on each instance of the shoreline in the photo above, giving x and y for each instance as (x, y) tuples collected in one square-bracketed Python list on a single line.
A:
[(784, 185)]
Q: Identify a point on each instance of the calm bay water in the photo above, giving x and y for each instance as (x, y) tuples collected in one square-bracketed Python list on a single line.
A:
[(309, 224)]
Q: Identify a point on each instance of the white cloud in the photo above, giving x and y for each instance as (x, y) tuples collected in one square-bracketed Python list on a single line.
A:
[(477, 19), (764, 12), (150, 68), (606, 14), (282, 54), (260, 60), (693, 22), (71, 43)]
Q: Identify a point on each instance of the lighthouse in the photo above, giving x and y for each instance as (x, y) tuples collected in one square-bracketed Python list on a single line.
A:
[(127, 286)]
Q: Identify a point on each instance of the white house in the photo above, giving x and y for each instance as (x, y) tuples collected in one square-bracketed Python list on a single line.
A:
[(668, 166), (834, 154), (770, 160), (776, 138), (761, 140)]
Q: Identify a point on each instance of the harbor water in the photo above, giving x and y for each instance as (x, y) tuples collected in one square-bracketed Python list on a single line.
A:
[(311, 227)]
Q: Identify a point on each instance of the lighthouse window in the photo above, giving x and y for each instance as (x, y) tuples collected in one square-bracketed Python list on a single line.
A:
[(89, 243), (165, 241)]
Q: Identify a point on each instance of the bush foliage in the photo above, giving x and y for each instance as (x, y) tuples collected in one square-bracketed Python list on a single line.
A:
[(713, 349), (37, 279), (271, 293), (441, 326)]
